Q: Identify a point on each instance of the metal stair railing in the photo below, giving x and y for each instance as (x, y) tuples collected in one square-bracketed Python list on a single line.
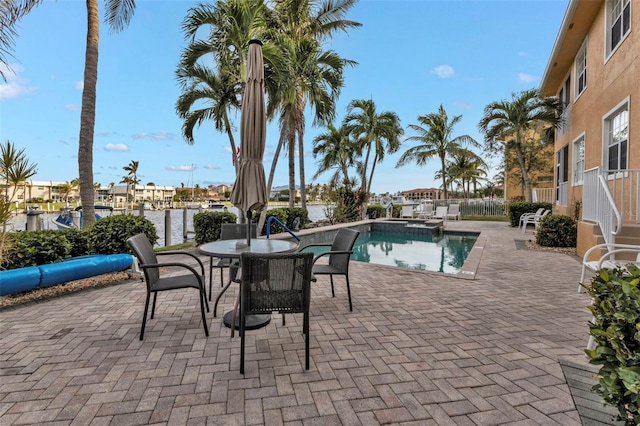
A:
[(275, 219), (599, 206)]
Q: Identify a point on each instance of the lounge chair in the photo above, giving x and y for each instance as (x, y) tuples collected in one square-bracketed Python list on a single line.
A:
[(524, 216), (454, 212), (426, 211), (609, 256), (407, 211), (441, 212), (533, 220)]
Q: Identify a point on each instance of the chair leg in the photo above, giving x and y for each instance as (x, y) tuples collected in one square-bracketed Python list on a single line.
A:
[(144, 318), (241, 341), (221, 277), (233, 320), (153, 308), (215, 306), (333, 293), (305, 329), (349, 292), (203, 300), (210, 277)]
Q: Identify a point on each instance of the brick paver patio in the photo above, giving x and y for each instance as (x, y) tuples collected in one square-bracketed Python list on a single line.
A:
[(418, 348)]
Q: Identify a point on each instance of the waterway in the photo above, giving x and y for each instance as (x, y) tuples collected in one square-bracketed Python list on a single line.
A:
[(157, 217)]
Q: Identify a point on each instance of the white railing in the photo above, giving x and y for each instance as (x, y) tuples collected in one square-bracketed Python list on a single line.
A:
[(542, 195), (625, 188), (598, 204)]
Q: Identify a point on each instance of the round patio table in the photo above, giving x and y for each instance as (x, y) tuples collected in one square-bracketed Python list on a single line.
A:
[(233, 249)]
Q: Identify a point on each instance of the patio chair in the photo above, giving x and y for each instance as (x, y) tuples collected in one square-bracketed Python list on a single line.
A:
[(426, 211), (148, 262), (524, 216), (454, 212), (339, 254), (441, 212), (407, 211), (609, 257), (534, 220), (275, 282), (229, 231)]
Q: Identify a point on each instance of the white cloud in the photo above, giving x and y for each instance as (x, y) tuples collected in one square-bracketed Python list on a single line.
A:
[(80, 85), (183, 168), (443, 71), (463, 105), (116, 147), (212, 167), (523, 54), (526, 78), (15, 85), (161, 135), (72, 107)]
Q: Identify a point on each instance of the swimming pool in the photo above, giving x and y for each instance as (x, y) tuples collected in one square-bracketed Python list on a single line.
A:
[(443, 252)]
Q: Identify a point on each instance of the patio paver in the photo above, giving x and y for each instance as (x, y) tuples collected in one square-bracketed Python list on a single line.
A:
[(418, 348)]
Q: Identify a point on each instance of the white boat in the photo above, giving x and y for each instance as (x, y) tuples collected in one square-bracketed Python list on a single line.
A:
[(65, 218)]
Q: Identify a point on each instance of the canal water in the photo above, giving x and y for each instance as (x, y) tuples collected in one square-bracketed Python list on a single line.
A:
[(157, 217)]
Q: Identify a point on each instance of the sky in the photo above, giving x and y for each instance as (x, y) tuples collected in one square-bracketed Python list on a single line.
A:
[(413, 56)]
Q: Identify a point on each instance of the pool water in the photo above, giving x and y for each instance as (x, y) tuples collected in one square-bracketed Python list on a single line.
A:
[(445, 252)]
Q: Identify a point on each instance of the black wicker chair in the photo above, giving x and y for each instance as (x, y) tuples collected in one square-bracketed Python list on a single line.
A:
[(148, 262), (275, 282), (228, 231), (339, 253)]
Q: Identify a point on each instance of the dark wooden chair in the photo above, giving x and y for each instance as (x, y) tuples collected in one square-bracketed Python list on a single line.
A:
[(148, 262), (339, 253), (275, 282)]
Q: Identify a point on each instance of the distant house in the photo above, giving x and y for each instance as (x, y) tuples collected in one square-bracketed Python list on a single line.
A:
[(423, 194), (594, 69)]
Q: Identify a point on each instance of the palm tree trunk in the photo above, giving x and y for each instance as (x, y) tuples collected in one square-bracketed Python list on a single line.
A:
[(272, 172), (523, 169), (443, 168), (88, 114), (365, 199), (292, 167), (303, 186)]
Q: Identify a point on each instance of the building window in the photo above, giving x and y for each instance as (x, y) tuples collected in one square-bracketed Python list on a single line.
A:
[(581, 69), (578, 161), (564, 96), (619, 22), (617, 138)]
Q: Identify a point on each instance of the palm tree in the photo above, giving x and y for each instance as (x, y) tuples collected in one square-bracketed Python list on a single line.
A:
[(66, 189), (508, 125), (312, 76), (436, 141), (467, 167), (374, 132), (338, 154), (128, 180), (112, 189), (118, 14), (132, 170)]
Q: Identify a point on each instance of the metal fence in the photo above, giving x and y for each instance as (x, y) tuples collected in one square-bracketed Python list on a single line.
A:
[(476, 207)]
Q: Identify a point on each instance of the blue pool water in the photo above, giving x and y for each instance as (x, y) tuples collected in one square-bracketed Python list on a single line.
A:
[(426, 252)]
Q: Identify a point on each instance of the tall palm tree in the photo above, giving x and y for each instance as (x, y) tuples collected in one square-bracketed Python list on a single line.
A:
[(132, 170), (375, 133), (312, 76), (112, 189), (128, 180), (337, 153), (509, 124), (435, 134), (118, 13), (467, 167)]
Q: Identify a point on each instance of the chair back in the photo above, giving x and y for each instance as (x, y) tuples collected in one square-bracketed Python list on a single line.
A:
[(441, 212), (236, 231), (454, 209), (143, 250), (343, 241), (428, 208), (276, 282)]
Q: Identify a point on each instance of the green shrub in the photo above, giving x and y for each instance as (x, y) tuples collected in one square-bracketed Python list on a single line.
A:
[(557, 231), (616, 330), (109, 235), (296, 212), (207, 225), (33, 248), (375, 211), (517, 209), (79, 240)]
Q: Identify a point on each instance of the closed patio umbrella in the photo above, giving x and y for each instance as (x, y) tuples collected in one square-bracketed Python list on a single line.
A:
[(250, 190)]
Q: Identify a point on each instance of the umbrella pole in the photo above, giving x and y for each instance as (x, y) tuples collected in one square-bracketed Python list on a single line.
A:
[(248, 227)]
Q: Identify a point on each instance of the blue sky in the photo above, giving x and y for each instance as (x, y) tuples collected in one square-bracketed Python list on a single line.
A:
[(412, 56)]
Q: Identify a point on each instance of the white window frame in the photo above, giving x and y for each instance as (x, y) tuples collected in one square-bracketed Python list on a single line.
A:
[(611, 17), (581, 69), (578, 155), (607, 135)]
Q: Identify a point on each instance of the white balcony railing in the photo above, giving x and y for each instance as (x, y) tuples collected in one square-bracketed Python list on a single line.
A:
[(542, 195), (563, 194)]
